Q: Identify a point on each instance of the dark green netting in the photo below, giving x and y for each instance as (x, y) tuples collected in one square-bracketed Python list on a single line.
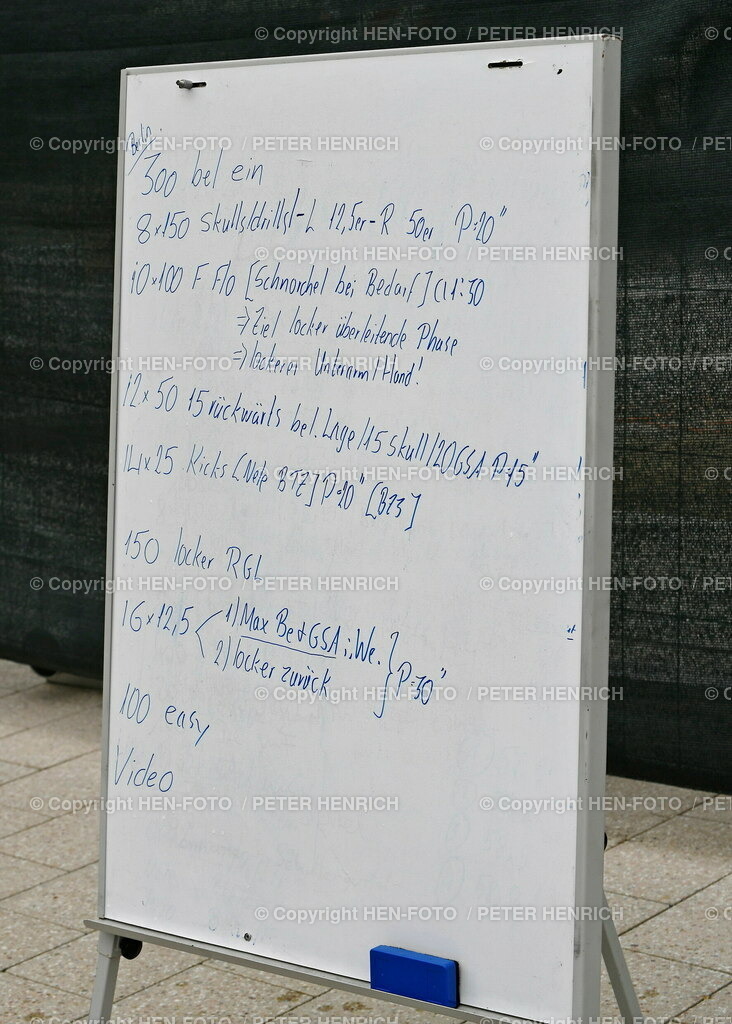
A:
[(670, 646)]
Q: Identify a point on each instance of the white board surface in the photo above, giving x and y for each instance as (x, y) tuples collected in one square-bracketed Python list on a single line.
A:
[(390, 503)]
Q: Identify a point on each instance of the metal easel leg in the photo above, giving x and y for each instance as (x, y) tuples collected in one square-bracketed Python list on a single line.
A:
[(617, 969), (106, 978)]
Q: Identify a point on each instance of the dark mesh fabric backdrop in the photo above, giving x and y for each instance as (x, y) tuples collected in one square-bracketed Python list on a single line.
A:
[(670, 648)]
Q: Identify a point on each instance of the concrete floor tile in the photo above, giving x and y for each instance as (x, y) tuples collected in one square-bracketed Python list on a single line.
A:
[(670, 861), (10, 771), (664, 987), (621, 825), (72, 967), (78, 682), (695, 930), (715, 1009), (632, 910), (22, 937), (203, 991), (17, 875), (51, 791), (15, 677), (23, 1001), (655, 797), (717, 807), (43, 703), (13, 820), (65, 900), (307, 987), (69, 842), (638, 806), (347, 1006), (46, 744)]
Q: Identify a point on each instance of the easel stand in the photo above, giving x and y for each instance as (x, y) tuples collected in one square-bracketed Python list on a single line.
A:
[(116, 941), (617, 969)]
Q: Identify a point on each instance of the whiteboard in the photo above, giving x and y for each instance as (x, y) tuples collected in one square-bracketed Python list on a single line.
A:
[(357, 501)]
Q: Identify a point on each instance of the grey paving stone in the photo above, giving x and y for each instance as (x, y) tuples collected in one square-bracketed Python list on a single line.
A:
[(657, 798), (632, 910), (78, 682), (15, 677), (250, 972), (13, 820), (713, 807), (697, 930), (72, 967), (22, 937), (65, 900), (639, 806), (204, 991), (622, 825), (17, 875), (47, 744), (347, 1006), (715, 1009), (10, 771), (69, 842), (43, 703), (23, 1001), (52, 791), (664, 987), (670, 861)]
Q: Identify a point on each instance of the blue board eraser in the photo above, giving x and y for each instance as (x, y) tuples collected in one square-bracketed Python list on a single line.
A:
[(415, 975)]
